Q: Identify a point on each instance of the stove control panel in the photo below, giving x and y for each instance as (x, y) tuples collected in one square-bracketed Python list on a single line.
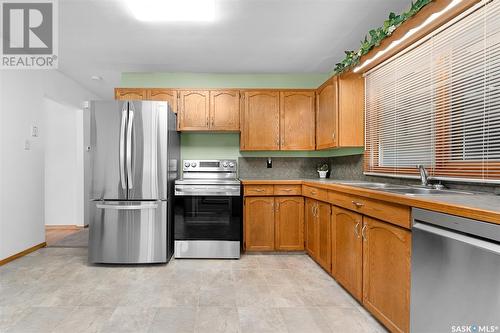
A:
[(210, 165)]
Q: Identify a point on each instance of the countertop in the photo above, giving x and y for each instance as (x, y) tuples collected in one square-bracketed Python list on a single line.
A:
[(479, 206)]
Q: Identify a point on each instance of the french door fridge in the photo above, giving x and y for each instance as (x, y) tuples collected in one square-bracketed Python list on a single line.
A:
[(135, 156)]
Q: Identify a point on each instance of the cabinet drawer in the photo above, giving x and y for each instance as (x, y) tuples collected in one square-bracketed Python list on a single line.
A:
[(287, 190), (258, 190), (385, 211), (315, 193)]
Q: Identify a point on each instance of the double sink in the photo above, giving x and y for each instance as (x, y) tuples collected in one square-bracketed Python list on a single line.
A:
[(405, 189)]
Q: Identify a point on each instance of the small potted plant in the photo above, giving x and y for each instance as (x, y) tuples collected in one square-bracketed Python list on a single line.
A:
[(322, 170)]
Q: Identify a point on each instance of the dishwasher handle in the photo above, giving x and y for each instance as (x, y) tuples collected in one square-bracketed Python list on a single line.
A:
[(482, 244)]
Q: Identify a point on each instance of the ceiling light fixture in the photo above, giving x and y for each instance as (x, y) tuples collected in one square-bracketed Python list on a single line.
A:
[(172, 10), (410, 33)]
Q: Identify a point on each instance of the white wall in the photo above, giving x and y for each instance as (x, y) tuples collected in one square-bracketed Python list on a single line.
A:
[(22, 94), (63, 161)]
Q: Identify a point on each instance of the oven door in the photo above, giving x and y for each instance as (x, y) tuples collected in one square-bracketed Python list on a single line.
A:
[(208, 217)]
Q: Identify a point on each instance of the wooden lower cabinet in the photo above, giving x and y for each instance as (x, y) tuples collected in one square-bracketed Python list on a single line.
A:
[(324, 255), (386, 273), (311, 227), (318, 233), (289, 223), (259, 223), (274, 223), (348, 250)]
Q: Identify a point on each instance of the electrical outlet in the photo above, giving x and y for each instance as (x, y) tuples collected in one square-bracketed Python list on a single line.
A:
[(269, 163), (34, 131), (27, 145)]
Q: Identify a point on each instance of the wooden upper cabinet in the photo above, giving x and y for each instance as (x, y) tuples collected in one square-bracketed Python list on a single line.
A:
[(259, 223), (327, 115), (160, 94), (130, 94), (289, 227), (194, 110), (351, 125), (261, 127), (311, 227), (297, 127), (324, 255), (386, 273), (348, 250), (225, 110)]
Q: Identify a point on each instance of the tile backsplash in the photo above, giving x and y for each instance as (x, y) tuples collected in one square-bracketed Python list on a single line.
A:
[(283, 167)]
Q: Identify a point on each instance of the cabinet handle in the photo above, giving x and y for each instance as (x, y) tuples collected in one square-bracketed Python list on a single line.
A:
[(277, 206), (286, 189), (357, 204), (356, 230), (333, 135), (213, 121), (314, 192), (258, 190), (363, 230), (207, 122)]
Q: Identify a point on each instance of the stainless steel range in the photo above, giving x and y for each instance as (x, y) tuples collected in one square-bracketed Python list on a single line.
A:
[(208, 210)]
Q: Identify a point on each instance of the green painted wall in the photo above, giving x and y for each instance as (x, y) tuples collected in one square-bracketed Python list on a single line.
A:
[(227, 145)]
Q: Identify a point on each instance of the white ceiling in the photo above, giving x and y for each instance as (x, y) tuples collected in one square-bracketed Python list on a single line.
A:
[(100, 37)]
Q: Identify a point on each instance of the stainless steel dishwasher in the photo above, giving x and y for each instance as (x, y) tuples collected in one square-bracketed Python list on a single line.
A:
[(455, 279)]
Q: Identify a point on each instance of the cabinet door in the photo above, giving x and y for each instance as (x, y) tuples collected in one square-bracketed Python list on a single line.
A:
[(225, 110), (348, 250), (259, 223), (311, 227), (130, 94), (261, 121), (297, 118), (324, 255), (327, 115), (289, 223), (194, 110), (386, 273), (351, 110), (168, 95)]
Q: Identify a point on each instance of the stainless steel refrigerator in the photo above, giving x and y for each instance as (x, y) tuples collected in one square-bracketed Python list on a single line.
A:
[(135, 161)]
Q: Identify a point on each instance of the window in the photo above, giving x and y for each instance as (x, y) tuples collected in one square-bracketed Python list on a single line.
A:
[(438, 104)]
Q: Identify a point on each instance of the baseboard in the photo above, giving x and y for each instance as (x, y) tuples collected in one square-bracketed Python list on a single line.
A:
[(61, 226), (23, 253)]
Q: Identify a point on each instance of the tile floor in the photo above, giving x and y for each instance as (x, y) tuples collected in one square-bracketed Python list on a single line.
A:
[(54, 290)]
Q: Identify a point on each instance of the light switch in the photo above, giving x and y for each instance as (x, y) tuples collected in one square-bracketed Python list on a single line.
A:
[(34, 131), (27, 145)]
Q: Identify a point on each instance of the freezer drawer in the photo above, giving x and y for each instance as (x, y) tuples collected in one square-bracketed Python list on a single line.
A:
[(128, 232)]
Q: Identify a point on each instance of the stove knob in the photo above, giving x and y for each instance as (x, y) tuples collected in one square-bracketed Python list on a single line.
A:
[(193, 164), (186, 164), (231, 165), (224, 164)]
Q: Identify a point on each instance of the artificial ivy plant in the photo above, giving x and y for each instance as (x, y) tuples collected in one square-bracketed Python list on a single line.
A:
[(376, 36)]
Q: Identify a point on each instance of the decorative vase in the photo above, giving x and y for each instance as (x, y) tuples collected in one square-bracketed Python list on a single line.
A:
[(322, 174)]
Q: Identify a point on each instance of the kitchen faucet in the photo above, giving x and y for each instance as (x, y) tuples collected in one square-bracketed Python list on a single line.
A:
[(424, 175)]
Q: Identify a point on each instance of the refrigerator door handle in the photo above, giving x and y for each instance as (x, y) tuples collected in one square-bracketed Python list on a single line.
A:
[(141, 206), (129, 145), (123, 126)]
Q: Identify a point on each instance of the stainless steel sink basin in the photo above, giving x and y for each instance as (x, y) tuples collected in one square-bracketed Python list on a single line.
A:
[(424, 191), (403, 189), (375, 185)]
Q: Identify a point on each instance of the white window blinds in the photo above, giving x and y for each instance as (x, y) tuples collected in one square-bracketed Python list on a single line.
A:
[(438, 104)]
